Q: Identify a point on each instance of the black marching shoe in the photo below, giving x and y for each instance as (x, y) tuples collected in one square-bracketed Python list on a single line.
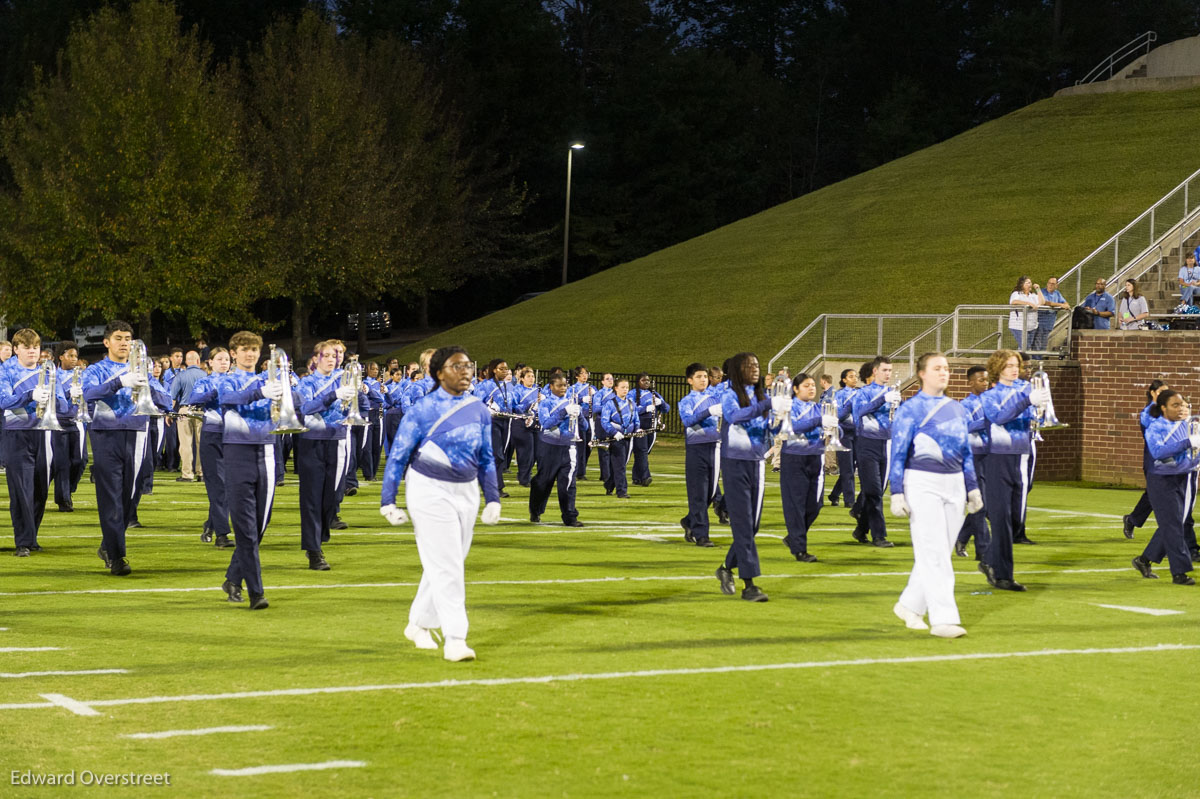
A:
[(1024, 540), (1143, 567), (1194, 554), (534, 518), (648, 481), (503, 495), (103, 554), (66, 507), (223, 542), (687, 531), (573, 523), (317, 562), (883, 543), (338, 524), (859, 535), (722, 516), (258, 601), (705, 543), (234, 592), (608, 492), (135, 522), (1182, 579), (1009, 585), (960, 550), (35, 547), (725, 576), (21, 552), (1127, 526), (806, 557), (351, 492), (754, 594), (622, 496), (206, 536), (853, 512), (987, 572), (120, 568)]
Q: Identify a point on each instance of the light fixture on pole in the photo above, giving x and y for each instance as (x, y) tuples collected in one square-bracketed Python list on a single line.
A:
[(567, 218)]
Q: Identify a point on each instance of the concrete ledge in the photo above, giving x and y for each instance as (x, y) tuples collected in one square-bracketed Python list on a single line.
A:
[(1132, 85)]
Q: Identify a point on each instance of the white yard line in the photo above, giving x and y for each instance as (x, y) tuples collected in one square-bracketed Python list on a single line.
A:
[(23, 674), (254, 771), (1076, 513), (31, 649), (141, 736), (1147, 611), (88, 707)]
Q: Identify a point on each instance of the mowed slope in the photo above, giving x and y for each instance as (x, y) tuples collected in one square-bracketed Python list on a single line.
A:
[(1034, 191)]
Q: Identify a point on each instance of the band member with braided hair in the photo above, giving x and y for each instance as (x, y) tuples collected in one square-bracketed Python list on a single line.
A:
[(650, 405), (1175, 452)]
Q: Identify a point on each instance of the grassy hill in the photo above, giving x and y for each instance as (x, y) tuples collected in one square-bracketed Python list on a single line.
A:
[(1034, 192)]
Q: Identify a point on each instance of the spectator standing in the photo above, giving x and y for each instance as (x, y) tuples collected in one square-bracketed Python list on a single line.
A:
[(1134, 308), (1100, 305), (1023, 324), (1052, 303)]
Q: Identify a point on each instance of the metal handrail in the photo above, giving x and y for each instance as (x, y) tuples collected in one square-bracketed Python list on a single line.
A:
[(1129, 48)]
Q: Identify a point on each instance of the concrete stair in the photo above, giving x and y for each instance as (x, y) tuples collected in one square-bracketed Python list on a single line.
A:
[(1160, 283)]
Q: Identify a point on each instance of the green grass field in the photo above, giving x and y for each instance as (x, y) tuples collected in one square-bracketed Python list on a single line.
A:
[(609, 663), (1032, 192)]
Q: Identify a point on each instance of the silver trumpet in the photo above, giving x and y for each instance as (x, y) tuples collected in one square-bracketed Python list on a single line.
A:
[(892, 406), (47, 412), (81, 406), (782, 388), (283, 410), (352, 376), (1194, 429), (1044, 417), (139, 366), (833, 440)]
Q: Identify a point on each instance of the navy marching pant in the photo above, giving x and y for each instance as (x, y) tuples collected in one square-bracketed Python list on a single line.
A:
[(872, 473), (1028, 464), (582, 449), (501, 441), (70, 459), (391, 423), (28, 454), (151, 460), (701, 470), (619, 453), (118, 457), (357, 436), (1169, 496), (555, 464), (975, 525), (277, 442), (169, 448), (525, 441), (212, 461), (249, 492), (371, 446), (744, 484), (1189, 521), (801, 483), (1005, 497), (641, 450), (320, 462)]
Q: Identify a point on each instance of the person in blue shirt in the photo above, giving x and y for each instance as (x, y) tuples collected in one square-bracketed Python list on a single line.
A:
[(496, 391), (975, 525), (212, 461), (843, 399), (700, 414), (27, 449), (749, 420), (650, 405), (69, 444), (373, 433), (559, 417), (249, 450), (1052, 302), (1189, 280), (873, 406), (393, 410), (1100, 305), (932, 476), (583, 394), (169, 460), (802, 466), (618, 421), (525, 431), (602, 396), (1175, 458), (187, 429), (827, 389), (443, 452), (1008, 408), (119, 442)]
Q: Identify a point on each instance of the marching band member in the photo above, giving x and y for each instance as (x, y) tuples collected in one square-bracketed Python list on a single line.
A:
[(169, 432), (525, 432), (559, 417), (187, 428), (802, 466), (322, 451), (27, 449), (497, 394), (70, 444), (618, 421), (975, 524), (212, 461), (717, 386), (443, 451), (249, 451), (602, 395), (156, 437), (650, 405), (745, 438), (932, 478), (843, 400), (393, 408), (700, 414), (873, 405), (119, 442), (373, 433), (1008, 408), (1174, 450), (583, 394), (1141, 511)]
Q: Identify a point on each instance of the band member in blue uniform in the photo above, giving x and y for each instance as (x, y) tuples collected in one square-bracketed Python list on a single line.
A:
[(70, 444), (932, 477), (802, 466), (700, 414), (119, 442), (496, 391), (746, 436), (249, 450), (873, 406), (717, 386), (1141, 510), (373, 433), (169, 433), (443, 452), (843, 399), (212, 461), (1176, 454), (1008, 408), (975, 525), (603, 393), (583, 394), (558, 416), (618, 421), (650, 406), (393, 409), (28, 450), (525, 431)]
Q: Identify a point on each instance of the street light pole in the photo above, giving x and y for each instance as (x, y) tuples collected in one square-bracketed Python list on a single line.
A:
[(567, 218)]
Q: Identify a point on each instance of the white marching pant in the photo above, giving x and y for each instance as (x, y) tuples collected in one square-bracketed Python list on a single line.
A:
[(937, 503), (443, 516)]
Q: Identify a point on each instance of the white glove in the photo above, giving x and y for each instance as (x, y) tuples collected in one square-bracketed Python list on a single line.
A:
[(1194, 441), (586, 399), (41, 394), (394, 515), (658, 401), (900, 505), (345, 393), (573, 410), (272, 390), (781, 405), (76, 392), (1038, 397), (829, 421), (491, 513), (716, 411), (494, 406), (892, 397), (974, 501), (129, 380), (618, 436)]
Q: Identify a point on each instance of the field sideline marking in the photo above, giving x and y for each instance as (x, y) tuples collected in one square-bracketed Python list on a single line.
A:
[(87, 708), (31, 649), (22, 674), (254, 771), (1147, 611), (1077, 512), (205, 731)]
